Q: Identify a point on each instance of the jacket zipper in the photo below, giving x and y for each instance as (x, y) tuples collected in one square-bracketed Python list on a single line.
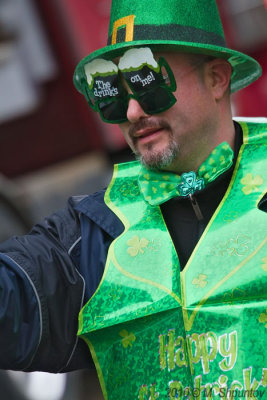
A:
[(196, 208)]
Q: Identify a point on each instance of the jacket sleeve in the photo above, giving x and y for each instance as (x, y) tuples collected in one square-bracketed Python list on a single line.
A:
[(41, 294)]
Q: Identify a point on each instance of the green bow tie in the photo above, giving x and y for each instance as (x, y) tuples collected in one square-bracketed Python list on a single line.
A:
[(159, 186)]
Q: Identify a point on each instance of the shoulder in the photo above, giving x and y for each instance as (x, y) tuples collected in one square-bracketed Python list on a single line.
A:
[(94, 208), (62, 229)]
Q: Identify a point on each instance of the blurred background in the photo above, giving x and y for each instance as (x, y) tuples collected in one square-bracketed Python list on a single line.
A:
[(52, 145)]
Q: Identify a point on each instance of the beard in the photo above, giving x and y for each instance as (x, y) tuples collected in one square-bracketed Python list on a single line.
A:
[(153, 159), (150, 158)]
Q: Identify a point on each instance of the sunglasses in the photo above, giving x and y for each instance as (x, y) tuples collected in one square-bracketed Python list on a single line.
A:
[(150, 88)]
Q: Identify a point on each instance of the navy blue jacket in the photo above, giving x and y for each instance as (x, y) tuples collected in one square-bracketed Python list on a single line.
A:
[(42, 285)]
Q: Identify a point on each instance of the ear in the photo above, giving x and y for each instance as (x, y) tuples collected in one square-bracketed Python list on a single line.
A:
[(219, 73)]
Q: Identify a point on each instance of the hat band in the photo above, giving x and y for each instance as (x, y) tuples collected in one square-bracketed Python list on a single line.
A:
[(171, 32)]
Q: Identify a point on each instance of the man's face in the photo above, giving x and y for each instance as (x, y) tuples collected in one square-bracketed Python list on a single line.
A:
[(171, 139)]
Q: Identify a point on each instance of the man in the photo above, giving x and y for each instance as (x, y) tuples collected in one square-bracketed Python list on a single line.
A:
[(168, 265)]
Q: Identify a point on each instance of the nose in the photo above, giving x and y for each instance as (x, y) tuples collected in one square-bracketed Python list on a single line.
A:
[(135, 111)]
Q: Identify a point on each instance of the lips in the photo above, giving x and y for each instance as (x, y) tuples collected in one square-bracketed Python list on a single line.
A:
[(147, 137), (146, 132)]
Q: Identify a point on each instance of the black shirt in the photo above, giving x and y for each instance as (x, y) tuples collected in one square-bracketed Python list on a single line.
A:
[(184, 224)]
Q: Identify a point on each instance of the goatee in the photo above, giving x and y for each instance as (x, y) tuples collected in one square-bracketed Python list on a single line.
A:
[(152, 159)]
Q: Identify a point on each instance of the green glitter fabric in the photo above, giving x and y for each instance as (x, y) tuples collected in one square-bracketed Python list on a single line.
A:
[(191, 13), (190, 26), (160, 186), (157, 333)]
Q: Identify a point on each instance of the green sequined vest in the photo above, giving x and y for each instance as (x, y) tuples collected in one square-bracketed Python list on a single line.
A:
[(157, 333)]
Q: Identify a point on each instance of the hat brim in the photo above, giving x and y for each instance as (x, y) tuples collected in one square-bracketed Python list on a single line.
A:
[(245, 69)]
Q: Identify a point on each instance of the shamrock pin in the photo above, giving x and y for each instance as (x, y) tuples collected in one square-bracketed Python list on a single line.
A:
[(190, 184)]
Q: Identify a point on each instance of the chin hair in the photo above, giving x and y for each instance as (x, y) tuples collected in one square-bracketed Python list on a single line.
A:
[(158, 160)]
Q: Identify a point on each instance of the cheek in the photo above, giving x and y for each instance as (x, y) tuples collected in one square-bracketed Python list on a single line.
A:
[(186, 95), (125, 131), (192, 102)]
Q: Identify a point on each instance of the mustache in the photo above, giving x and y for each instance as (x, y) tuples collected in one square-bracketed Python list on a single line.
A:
[(147, 123)]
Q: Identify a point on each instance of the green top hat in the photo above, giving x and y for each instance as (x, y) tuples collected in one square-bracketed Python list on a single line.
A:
[(192, 26)]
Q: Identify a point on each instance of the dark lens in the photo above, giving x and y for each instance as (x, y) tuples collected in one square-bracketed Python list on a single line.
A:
[(114, 111), (157, 100)]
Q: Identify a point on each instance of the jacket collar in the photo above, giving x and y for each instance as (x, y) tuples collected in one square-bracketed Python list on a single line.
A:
[(94, 207)]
